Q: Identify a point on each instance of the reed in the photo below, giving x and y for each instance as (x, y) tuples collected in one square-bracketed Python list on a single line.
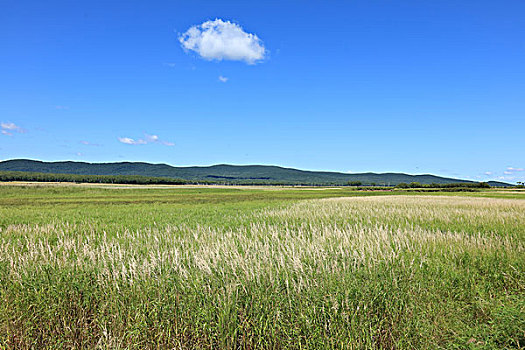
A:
[(351, 272)]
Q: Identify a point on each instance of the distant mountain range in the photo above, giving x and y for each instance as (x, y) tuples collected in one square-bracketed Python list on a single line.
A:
[(224, 173)]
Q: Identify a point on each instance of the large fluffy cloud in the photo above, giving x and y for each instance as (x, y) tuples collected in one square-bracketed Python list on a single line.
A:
[(223, 40)]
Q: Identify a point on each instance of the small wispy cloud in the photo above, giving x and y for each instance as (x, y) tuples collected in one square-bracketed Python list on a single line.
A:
[(510, 174), (151, 138), (148, 138), (170, 64), (61, 107), (223, 40), (155, 139), (223, 79), (130, 141), (508, 178), (8, 128)]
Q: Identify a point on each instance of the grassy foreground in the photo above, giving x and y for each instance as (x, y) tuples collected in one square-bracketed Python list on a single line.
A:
[(228, 268)]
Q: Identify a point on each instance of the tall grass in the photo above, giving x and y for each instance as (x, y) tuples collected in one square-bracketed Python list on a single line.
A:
[(362, 272)]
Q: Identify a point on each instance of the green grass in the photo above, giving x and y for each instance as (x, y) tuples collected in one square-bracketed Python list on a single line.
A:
[(86, 267)]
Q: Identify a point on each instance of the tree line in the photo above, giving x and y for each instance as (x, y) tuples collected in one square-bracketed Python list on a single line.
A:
[(106, 179)]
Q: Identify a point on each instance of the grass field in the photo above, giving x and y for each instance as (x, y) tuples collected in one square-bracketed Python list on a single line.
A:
[(272, 268)]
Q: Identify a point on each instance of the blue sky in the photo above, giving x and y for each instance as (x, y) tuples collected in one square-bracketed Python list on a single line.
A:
[(404, 86)]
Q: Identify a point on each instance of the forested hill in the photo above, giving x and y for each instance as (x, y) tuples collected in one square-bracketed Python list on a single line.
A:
[(223, 173)]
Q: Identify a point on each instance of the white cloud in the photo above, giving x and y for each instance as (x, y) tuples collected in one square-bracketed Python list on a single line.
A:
[(223, 79), (223, 40), (147, 139), (151, 138), (130, 141), (156, 139), (170, 64), (61, 107), (510, 174), (10, 128)]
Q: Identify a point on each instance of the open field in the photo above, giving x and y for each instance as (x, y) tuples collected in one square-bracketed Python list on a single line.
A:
[(195, 267)]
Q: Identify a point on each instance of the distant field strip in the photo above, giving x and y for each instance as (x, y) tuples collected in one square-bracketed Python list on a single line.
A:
[(357, 272)]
